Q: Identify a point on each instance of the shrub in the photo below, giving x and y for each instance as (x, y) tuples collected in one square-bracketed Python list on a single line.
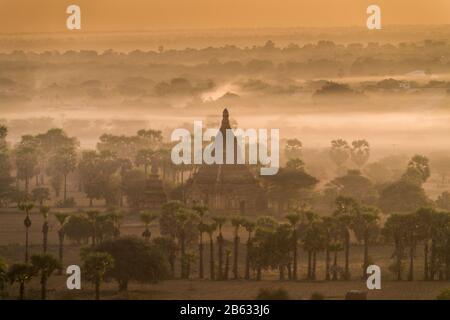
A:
[(317, 296), (272, 294), (68, 203), (444, 295)]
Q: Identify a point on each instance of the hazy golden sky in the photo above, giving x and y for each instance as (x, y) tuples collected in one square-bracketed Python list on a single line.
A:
[(126, 15)]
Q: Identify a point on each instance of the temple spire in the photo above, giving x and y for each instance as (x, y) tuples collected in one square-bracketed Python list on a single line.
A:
[(225, 120)]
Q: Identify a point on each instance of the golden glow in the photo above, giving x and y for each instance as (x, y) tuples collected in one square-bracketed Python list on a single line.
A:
[(134, 15)]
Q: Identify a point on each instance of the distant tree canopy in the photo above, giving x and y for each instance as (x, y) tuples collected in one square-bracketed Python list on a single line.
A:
[(135, 260), (355, 185), (402, 196)]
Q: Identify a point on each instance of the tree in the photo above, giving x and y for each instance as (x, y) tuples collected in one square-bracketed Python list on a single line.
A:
[(78, 228), (249, 227), (26, 207), (147, 218), (236, 222), (360, 152), (144, 158), (220, 221), (202, 228), (355, 185), (45, 265), (26, 155), (365, 226), (21, 273), (339, 152), (3, 277), (63, 162), (402, 197), (345, 211), (44, 211), (135, 260), (5, 169), (178, 222), (95, 266), (62, 219), (287, 184), (418, 170), (294, 219), (210, 229), (395, 230), (40, 195), (293, 149), (443, 201)]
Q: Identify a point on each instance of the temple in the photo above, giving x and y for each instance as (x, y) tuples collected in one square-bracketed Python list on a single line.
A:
[(226, 188)]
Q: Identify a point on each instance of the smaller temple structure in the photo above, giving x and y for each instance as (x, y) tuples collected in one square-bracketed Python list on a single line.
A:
[(155, 196)]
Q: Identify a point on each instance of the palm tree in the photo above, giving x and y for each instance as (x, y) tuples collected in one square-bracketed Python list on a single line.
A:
[(249, 227), (147, 218), (3, 278), (95, 266), (365, 226), (345, 211), (424, 220), (220, 221), (45, 265), (329, 228), (394, 229), (21, 273), (93, 217), (236, 222), (44, 211), (202, 228), (210, 229), (294, 219), (62, 220), (116, 217), (27, 207)]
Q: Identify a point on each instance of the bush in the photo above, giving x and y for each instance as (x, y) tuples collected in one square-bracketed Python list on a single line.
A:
[(68, 203), (444, 295), (317, 296), (272, 294)]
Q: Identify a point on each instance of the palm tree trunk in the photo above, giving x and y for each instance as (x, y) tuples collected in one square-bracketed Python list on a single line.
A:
[(45, 237), (183, 257), (281, 270), (327, 264), (433, 260), (61, 248), (347, 257), (313, 273), (200, 257), (309, 265), (335, 264), (211, 258), (22, 291), (26, 244), (411, 263), (220, 253), (235, 257), (247, 258), (426, 274), (65, 187), (43, 287), (97, 289), (295, 249), (366, 256)]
